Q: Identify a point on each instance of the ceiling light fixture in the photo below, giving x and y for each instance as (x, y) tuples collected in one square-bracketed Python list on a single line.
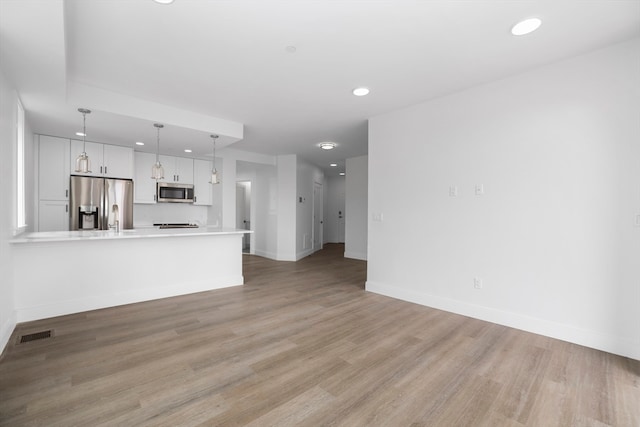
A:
[(333, 165), (361, 91), (157, 171), (186, 150), (164, 1), (327, 145), (80, 134), (83, 165), (526, 26), (139, 143), (215, 179), (341, 173)]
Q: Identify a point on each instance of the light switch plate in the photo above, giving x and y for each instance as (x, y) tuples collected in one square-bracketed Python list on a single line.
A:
[(453, 191), (479, 189)]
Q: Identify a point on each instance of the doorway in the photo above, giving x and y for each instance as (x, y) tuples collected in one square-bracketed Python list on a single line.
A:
[(318, 220), (243, 212)]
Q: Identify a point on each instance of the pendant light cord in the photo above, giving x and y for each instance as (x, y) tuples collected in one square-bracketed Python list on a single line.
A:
[(84, 132), (158, 146)]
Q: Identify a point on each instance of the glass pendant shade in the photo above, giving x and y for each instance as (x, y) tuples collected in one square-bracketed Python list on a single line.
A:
[(157, 171), (215, 178), (83, 165)]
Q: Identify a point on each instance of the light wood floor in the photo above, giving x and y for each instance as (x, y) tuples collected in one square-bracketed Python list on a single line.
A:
[(302, 344)]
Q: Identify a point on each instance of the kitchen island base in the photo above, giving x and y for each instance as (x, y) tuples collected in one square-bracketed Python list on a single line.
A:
[(55, 278)]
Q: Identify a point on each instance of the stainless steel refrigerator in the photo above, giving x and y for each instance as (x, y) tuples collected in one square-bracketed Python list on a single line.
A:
[(100, 203)]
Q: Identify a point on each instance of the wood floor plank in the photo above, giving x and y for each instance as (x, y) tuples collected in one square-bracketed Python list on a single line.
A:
[(302, 344)]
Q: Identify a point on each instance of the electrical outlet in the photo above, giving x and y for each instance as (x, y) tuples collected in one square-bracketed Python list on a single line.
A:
[(378, 217), (477, 283), (479, 189), (453, 191)]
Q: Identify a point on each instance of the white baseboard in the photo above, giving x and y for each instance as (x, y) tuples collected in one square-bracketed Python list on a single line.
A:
[(588, 338), (355, 255), (60, 308), (303, 254), (266, 254), (6, 329)]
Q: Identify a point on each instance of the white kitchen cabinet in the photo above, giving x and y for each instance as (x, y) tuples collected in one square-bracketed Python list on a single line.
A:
[(106, 160), (144, 187), (177, 169), (53, 215), (118, 161), (53, 168), (202, 190)]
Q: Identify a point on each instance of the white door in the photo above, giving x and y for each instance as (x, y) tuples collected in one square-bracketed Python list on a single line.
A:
[(53, 215), (53, 182), (144, 190), (317, 216), (203, 189), (118, 161)]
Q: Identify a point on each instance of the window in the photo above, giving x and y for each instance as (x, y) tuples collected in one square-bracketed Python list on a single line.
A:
[(21, 218)]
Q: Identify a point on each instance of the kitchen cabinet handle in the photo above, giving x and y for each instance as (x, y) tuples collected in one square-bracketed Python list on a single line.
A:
[(195, 199), (100, 169), (154, 197), (105, 169), (66, 193), (66, 208)]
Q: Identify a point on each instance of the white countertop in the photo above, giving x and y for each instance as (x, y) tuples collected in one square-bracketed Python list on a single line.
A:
[(136, 233)]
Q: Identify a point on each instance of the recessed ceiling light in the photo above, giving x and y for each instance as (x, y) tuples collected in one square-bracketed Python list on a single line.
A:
[(361, 91), (186, 150), (525, 27), (163, 1), (341, 173), (139, 143), (328, 145), (333, 165), (81, 134)]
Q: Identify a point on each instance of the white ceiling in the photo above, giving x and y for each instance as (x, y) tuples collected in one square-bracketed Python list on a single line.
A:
[(212, 66)]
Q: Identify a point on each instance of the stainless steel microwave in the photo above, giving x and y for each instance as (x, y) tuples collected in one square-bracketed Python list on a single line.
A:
[(174, 193)]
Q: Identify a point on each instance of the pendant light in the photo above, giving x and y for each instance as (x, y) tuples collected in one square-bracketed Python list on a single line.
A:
[(83, 165), (215, 179), (157, 171)]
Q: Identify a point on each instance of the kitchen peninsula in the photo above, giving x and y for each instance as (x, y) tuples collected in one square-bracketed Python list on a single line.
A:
[(64, 272)]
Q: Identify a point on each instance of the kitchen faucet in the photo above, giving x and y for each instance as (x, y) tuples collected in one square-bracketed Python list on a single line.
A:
[(116, 214)]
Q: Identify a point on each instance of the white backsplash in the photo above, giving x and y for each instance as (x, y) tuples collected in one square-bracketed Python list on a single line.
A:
[(146, 215)]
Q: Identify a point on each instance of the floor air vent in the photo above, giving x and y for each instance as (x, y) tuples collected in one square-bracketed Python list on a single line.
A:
[(35, 336)]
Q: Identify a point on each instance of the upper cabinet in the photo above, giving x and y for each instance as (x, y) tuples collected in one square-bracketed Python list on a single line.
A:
[(201, 186), (144, 190), (177, 169), (53, 168), (106, 160)]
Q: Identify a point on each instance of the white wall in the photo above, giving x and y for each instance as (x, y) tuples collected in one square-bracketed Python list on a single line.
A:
[(553, 238), (334, 202), (148, 214), (356, 187), (8, 112), (287, 200), (264, 204)]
